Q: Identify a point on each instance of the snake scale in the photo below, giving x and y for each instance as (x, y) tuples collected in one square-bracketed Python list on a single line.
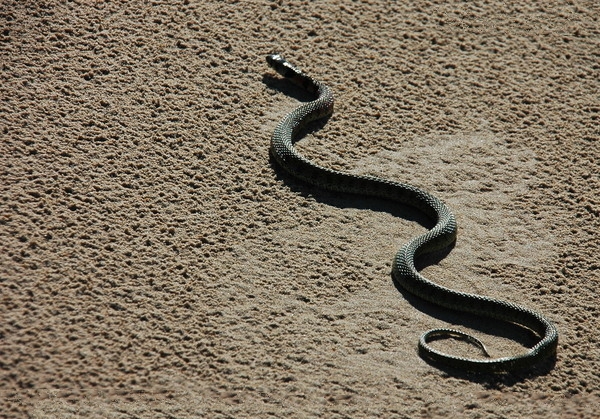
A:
[(439, 237)]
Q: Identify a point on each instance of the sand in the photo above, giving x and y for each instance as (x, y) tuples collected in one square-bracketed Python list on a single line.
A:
[(154, 263)]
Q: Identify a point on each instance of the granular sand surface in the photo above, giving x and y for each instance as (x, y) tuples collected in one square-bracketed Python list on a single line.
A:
[(155, 264)]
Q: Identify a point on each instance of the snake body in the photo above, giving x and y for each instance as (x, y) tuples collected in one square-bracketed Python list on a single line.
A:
[(439, 237)]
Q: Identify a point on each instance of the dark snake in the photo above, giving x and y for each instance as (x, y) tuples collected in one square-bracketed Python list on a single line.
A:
[(439, 237)]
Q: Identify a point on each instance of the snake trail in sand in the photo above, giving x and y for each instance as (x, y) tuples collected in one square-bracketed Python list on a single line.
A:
[(439, 237)]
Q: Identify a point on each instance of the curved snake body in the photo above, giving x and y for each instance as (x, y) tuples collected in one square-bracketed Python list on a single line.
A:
[(440, 236)]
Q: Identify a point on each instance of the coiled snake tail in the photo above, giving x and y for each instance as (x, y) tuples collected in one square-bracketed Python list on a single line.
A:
[(440, 236)]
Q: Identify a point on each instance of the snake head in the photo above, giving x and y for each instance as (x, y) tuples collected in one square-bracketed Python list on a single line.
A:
[(282, 66)]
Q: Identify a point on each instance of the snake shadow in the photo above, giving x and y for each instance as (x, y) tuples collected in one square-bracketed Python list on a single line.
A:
[(341, 200), (287, 88)]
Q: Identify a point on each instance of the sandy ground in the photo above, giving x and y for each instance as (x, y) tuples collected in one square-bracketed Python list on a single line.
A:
[(153, 263)]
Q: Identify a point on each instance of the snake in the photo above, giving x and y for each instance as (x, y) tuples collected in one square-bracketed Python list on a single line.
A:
[(441, 236)]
